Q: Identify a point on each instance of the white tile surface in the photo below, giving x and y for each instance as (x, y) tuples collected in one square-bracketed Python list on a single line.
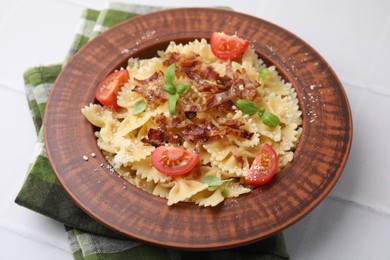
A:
[(38, 33), (346, 33), (351, 223), (339, 229)]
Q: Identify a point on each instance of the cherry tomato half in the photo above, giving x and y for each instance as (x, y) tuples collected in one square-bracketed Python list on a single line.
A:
[(173, 161), (108, 89), (263, 167), (227, 46)]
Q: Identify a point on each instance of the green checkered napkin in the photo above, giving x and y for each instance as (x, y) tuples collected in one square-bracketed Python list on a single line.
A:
[(42, 192)]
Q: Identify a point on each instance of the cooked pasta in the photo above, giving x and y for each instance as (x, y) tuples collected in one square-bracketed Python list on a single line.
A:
[(233, 140)]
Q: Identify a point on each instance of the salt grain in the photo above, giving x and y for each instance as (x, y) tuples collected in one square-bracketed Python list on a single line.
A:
[(85, 158), (125, 51)]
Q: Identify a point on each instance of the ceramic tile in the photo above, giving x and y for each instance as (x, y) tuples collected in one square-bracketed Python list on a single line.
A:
[(365, 178), (246, 6), (25, 222), (19, 138), (20, 142), (379, 80), (338, 229), (345, 33), (19, 246), (11, 7), (36, 38)]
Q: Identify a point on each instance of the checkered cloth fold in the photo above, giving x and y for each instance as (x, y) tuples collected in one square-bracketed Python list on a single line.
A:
[(42, 192)]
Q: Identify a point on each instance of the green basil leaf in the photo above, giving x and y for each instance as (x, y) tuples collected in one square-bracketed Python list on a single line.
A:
[(213, 181), (172, 103), (261, 111), (139, 107), (270, 119), (225, 192), (263, 73), (246, 106), (170, 89), (169, 74), (181, 88)]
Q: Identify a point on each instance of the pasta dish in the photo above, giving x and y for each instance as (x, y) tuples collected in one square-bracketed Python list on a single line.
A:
[(197, 123)]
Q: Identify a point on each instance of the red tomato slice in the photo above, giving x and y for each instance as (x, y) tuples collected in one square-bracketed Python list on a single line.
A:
[(108, 89), (227, 46), (263, 167), (173, 161)]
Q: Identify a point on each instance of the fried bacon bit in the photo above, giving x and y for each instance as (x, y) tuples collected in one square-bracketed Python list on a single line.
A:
[(152, 88), (156, 76), (159, 137), (219, 92), (189, 60), (190, 114), (174, 130), (209, 73), (232, 123), (240, 87), (246, 134)]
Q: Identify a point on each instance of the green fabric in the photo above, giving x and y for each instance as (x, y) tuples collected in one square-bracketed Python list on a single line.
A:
[(41, 191)]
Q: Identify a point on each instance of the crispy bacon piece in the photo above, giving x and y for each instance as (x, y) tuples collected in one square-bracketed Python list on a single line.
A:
[(232, 123), (152, 88), (217, 99), (175, 131), (190, 114), (181, 60), (220, 93), (156, 76), (242, 88), (159, 137)]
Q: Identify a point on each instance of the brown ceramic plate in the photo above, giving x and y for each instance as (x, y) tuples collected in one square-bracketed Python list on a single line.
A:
[(319, 158)]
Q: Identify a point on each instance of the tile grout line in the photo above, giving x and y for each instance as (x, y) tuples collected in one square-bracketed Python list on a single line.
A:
[(77, 3), (32, 237), (360, 205), (7, 87), (12, 11), (380, 48)]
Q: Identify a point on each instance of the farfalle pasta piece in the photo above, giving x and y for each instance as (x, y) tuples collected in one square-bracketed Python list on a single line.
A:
[(226, 158), (143, 68), (184, 190), (209, 199), (130, 151), (162, 189), (273, 83), (127, 97), (132, 122), (145, 170), (201, 48), (286, 108), (233, 190), (97, 115)]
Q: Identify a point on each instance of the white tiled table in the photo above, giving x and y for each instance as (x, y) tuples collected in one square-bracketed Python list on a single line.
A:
[(353, 222)]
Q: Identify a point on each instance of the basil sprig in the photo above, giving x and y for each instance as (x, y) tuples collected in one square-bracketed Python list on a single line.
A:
[(174, 91), (263, 73), (250, 108), (139, 107), (213, 181)]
